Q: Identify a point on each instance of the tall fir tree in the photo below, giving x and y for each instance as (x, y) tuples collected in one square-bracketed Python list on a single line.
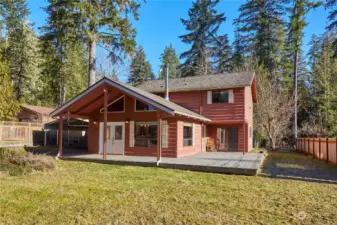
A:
[(98, 22), (140, 68), (298, 12), (332, 5), (238, 60), (203, 23), (169, 59), (260, 32), (63, 22), (222, 55), (9, 106), (323, 85)]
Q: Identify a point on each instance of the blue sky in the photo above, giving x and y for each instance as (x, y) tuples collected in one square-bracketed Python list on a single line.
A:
[(159, 25)]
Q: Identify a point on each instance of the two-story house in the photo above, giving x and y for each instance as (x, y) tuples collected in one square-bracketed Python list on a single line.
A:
[(183, 114)]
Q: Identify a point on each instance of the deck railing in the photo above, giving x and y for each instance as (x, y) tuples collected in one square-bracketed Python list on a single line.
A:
[(17, 133), (321, 148)]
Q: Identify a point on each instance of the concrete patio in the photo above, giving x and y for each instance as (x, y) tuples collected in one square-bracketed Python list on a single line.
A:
[(216, 162)]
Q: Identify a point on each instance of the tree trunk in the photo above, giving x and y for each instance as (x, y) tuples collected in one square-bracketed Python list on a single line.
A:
[(295, 92), (92, 63)]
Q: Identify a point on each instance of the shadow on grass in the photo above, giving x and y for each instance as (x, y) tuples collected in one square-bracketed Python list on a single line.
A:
[(53, 150), (298, 166)]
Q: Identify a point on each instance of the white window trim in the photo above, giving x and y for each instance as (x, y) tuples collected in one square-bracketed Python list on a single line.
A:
[(132, 134), (164, 134), (230, 97), (123, 96), (142, 110), (185, 124)]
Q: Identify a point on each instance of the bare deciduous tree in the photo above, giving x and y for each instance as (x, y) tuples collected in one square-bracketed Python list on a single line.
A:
[(274, 109)]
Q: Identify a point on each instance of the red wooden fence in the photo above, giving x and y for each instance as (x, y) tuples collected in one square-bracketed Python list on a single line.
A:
[(321, 148)]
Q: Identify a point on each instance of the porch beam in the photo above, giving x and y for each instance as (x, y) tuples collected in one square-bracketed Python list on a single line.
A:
[(60, 136), (79, 116), (105, 136), (88, 104), (159, 131)]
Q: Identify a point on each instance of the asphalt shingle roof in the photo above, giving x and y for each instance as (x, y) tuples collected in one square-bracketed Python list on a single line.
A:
[(162, 101), (218, 81), (149, 97)]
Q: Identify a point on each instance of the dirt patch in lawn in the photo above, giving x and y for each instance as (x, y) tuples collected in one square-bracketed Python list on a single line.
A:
[(298, 166)]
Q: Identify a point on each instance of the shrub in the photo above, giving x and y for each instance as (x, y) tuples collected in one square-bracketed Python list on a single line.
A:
[(16, 161), (36, 162), (7, 153)]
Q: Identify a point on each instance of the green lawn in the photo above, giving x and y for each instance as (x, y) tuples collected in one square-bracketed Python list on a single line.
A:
[(89, 193)]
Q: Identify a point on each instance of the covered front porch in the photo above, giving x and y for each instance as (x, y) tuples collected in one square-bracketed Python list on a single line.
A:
[(215, 162), (124, 120)]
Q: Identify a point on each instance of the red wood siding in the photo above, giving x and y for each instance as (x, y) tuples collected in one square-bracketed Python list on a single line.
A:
[(212, 132), (197, 102), (249, 116), (190, 150)]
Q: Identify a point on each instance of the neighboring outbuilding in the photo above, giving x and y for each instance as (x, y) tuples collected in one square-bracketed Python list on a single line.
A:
[(34, 114)]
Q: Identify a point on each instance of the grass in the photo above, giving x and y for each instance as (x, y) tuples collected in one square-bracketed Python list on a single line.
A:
[(89, 193)]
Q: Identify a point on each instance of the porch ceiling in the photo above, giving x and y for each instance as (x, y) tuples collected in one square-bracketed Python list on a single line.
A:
[(92, 100)]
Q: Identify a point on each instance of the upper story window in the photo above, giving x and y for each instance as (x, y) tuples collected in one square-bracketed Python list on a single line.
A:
[(116, 106), (140, 106), (220, 96)]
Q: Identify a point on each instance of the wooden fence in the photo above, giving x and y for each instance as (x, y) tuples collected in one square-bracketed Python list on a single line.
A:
[(18, 133), (321, 148)]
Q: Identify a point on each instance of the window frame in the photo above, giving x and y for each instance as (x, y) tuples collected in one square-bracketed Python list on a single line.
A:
[(135, 107), (145, 138), (221, 91), (191, 125), (123, 96), (222, 132)]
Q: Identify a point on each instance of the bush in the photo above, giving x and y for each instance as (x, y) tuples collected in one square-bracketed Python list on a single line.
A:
[(36, 162), (7, 153), (16, 161)]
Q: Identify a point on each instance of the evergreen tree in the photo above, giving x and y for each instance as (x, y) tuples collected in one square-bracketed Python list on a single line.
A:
[(68, 61), (13, 12), (332, 4), (25, 60), (260, 29), (222, 54), (9, 106), (324, 82), (105, 22), (238, 60), (169, 58), (297, 24), (74, 69), (203, 24), (140, 68)]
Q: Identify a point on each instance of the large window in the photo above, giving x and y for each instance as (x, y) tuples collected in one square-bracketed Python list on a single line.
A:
[(115, 106), (145, 134), (140, 106), (188, 134), (220, 96)]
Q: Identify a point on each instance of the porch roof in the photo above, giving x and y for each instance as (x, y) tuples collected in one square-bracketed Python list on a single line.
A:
[(149, 98)]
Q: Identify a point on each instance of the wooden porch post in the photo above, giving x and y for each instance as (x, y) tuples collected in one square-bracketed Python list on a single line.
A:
[(158, 138), (105, 123), (60, 138)]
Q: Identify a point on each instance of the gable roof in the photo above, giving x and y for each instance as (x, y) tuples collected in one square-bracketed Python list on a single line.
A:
[(152, 99), (38, 109), (218, 81)]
